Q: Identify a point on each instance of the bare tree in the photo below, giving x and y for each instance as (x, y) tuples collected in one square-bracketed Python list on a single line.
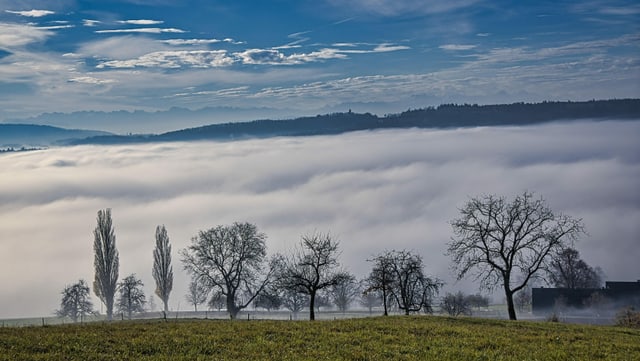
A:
[(106, 261), (197, 294), (345, 292), (313, 267), (382, 278), (217, 301), (478, 301), (456, 304), (131, 299), (76, 302), (269, 299), (568, 270), (411, 289), (370, 299), (294, 301), (162, 269), (522, 298), (322, 300), (507, 244), (232, 260)]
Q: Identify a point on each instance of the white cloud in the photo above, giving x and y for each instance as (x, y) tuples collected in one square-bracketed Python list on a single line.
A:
[(179, 42), (383, 48), (120, 47), (174, 59), (90, 23), (622, 11), (32, 13), (373, 190), (402, 7), (141, 22), (263, 56), (12, 35), (322, 54), (226, 93), (141, 30), (191, 41), (56, 27), (457, 47), (518, 54), (90, 80)]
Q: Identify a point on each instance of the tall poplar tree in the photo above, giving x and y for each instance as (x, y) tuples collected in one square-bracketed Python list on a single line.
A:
[(162, 269), (106, 261)]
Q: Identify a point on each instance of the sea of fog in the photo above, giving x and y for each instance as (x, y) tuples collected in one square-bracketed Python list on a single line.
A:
[(374, 190)]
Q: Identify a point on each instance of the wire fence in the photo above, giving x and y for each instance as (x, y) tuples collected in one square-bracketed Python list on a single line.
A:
[(246, 315)]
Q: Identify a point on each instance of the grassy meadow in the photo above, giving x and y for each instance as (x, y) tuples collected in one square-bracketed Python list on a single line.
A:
[(378, 338)]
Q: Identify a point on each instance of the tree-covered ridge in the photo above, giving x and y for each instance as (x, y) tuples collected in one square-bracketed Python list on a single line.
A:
[(443, 116)]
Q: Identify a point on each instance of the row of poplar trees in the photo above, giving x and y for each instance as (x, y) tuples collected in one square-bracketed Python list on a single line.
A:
[(107, 263)]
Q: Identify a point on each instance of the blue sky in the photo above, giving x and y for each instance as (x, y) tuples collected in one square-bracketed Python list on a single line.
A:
[(305, 57)]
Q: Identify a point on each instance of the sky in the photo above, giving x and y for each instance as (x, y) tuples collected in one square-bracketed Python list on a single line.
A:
[(305, 57), (374, 190)]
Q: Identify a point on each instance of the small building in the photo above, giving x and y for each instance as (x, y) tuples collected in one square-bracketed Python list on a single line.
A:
[(614, 296)]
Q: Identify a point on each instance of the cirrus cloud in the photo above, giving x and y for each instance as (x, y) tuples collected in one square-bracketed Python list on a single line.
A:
[(403, 7), (141, 30)]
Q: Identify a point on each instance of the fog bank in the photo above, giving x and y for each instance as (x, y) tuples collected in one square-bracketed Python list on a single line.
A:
[(372, 190)]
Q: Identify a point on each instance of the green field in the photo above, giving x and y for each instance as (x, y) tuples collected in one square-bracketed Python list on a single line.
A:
[(378, 338)]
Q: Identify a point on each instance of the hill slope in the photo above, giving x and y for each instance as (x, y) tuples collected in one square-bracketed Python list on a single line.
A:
[(380, 338), (444, 116), (29, 135)]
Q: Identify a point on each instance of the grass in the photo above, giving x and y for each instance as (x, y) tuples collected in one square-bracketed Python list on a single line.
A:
[(379, 338)]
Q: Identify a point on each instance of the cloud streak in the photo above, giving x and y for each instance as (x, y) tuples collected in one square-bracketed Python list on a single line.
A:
[(32, 13), (141, 30), (402, 7), (373, 190), (222, 58), (457, 47), (141, 22)]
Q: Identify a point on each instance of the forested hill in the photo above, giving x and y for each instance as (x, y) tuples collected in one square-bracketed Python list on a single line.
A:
[(30, 135), (443, 116)]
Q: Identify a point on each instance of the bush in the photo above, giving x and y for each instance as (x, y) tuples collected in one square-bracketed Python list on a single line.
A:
[(553, 317), (628, 318)]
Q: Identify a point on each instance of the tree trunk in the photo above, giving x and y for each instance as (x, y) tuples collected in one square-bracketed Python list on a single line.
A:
[(109, 309), (510, 306), (166, 305), (312, 301), (231, 308), (384, 301)]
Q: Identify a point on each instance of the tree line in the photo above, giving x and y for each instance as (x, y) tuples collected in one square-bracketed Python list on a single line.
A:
[(501, 243)]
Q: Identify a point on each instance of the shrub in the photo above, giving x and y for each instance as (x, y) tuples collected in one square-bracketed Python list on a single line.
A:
[(628, 317), (553, 317)]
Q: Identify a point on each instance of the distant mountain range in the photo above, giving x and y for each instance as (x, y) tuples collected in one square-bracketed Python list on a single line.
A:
[(443, 116), (139, 121)]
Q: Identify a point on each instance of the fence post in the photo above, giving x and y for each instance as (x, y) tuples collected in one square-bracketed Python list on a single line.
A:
[(43, 322)]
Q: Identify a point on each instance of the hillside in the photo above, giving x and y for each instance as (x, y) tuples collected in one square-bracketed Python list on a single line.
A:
[(379, 338), (29, 135), (444, 116)]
